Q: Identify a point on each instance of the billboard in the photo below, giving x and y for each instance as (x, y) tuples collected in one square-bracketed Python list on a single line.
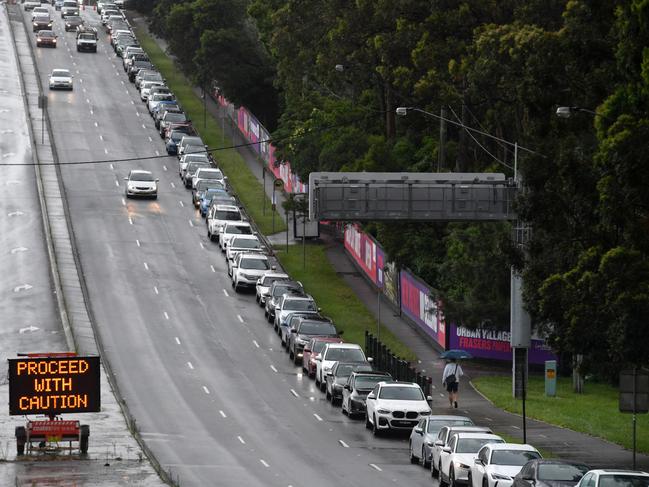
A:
[(494, 344), (54, 385), (362, 249), (418, 304)]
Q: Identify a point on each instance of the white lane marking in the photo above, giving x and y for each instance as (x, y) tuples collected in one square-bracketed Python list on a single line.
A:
[(256, 344), (15, 213), (294, 393), (222, 413), (264, 463), (155, 289), (130, 220), (274, 368), (122, 81), (117, 183), (441, 394), (202, 246), (212, 267), (101, 137), (105, 151), (111, 165), (166, 315), (137, 113), (317, 417), (515, 427), (87, 100), (240, 318), (207, 391), (143, 126), (146, 266), (173, 185), (177, 340), (345, 445), (241, 440), (23, 287), (226, 292), (164, 167), (189, 364), (150, 139), (181, 203), (376, 467), (138, 243), (157, 153), (96, 124), (488, 419), (132, 102), (191, 223), (542, 436), (123, 202), (92, 112), (299, 376), (19, 249)]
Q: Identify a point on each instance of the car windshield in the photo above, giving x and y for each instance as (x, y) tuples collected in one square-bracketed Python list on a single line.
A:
[(142, 176), (212, 174), (245, 243), (256, 264), (162, 97), (87, 36), (623, 481), (194, 166), (72, 18), (175, 117), (213, 191), (346, 370), (269, 280), (435, 425), (317, 328), (367, 382), (176, 135), (237, 230), (517, 458), (561, 472), (402, 393), (299, 305), (318, 345), (61, 73), (193, 141), (345, 355), (46, 33), (206, 184), (472, 445)]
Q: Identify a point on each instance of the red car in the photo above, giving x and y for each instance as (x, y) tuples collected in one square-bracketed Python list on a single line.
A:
[(313, 348), (45, 38)]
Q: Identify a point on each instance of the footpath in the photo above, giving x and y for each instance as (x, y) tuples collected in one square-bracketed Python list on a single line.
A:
[(562, 443)]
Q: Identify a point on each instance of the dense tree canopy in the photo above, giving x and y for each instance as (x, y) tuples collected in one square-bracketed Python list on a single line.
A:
[(328, 75)]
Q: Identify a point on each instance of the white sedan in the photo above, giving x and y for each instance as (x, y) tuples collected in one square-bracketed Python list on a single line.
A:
[(461, 452), (60, 79), (141, 183), (498, 464)]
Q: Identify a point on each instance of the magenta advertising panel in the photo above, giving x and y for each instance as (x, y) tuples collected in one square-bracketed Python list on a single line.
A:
[(493, 344), (363, 250), (418, 305)]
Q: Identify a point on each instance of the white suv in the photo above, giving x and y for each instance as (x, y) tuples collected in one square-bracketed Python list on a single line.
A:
[(247, 269), (498, 463), (460, 453), (218, 216), (248, 244), (396, 406), (336, 352), (207, 173), (230, 229)]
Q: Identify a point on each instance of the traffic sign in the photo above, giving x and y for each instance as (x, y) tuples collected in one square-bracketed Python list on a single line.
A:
[(634, 391)]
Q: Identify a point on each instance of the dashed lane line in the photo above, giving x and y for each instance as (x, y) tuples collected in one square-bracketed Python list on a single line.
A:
[(344, 445), (189, 364), (222, 414), (376, 467), (264, 462), (207, 391), (256, 344), (317, 417), (274, 369), (241, 440), (177, 340), (240, 318), (294, 393), (226, 292), (166, 315)]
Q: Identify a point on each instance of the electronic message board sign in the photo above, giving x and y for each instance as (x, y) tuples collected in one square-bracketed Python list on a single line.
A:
[(54, 385)]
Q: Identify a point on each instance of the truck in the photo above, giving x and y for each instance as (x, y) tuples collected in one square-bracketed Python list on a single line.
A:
[(86, 39)]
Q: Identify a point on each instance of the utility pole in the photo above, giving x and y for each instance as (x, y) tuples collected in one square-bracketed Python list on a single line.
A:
[(441, 154)]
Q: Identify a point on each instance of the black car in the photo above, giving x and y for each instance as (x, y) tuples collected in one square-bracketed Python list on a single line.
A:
[(72, 22), (41, 22), (275, 292), (337, 378), (550, 473), (136, 66), (355, 391), (302, 329), (291, 321)]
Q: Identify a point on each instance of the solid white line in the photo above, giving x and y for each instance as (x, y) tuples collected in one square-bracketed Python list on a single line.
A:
[(137, 242), (226, 293), (256, 344), (207, 391), (155, 289), (177, 340), (240, 318), (182, 204), (146, 266), (376, 467), (212, 267), (345, 445), (263, 462), (294, 393), (189, 364), (273, 367), (317, 417), (191, 223), (222, 413), (166, 315), (241, 440)]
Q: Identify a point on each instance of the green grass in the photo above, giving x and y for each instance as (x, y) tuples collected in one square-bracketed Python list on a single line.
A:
[(243, 181), (335, 298), (594, 412)]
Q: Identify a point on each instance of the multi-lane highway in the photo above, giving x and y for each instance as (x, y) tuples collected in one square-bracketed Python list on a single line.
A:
[(214, 395)]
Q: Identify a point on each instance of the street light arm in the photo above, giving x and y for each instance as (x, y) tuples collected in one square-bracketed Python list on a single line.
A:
[(567, 112)]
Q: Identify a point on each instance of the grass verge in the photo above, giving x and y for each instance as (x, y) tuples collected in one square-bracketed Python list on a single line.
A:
[(334, 296), (595, 412), (243, 181)]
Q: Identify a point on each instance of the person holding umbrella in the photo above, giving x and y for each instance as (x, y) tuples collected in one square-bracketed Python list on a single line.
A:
[(452, 373)]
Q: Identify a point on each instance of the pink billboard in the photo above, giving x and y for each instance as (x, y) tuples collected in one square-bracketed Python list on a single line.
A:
[(418, 304), (363, 250)]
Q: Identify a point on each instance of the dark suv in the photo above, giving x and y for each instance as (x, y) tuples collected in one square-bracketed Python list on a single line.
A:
[(337, 378), (302, 328), (275, 293), (358, 386)]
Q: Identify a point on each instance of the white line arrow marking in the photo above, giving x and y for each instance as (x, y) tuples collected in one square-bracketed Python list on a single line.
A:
[(19, 249), (30, 328), (23, 287)]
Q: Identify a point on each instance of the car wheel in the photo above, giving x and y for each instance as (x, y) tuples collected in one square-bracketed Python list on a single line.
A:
[(257, 298), (323, 386), (296, 359), (413, 458), (434, 471), (375, 430), (469, 479), (368, 425), (424, 459), (317, 382), (451, 477), (291, 355), (327, 395), (485, 483)]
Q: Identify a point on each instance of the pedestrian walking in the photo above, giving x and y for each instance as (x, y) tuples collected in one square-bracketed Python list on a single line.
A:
[(451, 379)]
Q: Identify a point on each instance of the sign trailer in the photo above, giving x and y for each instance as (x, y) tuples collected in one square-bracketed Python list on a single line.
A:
[(53, 384)]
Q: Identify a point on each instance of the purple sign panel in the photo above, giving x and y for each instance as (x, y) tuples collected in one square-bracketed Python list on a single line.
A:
[(493, 344)]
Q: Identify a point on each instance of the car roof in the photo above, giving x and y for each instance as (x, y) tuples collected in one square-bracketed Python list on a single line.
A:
[(253, 255), (327, 339), (512, 446), (244, 237), (275, 274), (345, 345), (607, 471), (372, 372), (311, 317), (227, 207), (400, 384), (489, 436), (140, 171), (237, 224), (448, 417), (468, 429)]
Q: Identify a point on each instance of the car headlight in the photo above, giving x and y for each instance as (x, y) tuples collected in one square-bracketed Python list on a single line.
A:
[(383, 411), (425, 412), (326, 369), (301, 341), (337, 386), (499, 476)]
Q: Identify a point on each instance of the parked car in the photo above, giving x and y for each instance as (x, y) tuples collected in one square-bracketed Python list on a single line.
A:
[(355, 391), (218, 216), (498, 463), (291, 323), (214, 196), (312, 350), (210, 173), (156, 99), (337, 378), (614, 478), (275, 293), (247, 268), (290, 303), (170, 116), (444, 436), (242, 244), (45, 38), (147, 75), (189, 140), (264, 283), (302, 328), (171, 142), (30, 5), (423, 436), (141, 183), (60, 79), (550, 473), (395, 406), (231, 229), (336, 352), (460, 454)]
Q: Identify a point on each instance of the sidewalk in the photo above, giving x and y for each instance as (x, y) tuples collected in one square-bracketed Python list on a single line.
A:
[(563, 443)]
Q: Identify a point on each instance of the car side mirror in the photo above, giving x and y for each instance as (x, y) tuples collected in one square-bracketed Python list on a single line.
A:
[(157, 180), (371, 395), (429, 398), (330, 374), (307, 350), (125, 179), (529, 478), (418, 430), (370, 359), (477, 461), (347, 388), (446, 449), (318, 358), (439, 443)]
